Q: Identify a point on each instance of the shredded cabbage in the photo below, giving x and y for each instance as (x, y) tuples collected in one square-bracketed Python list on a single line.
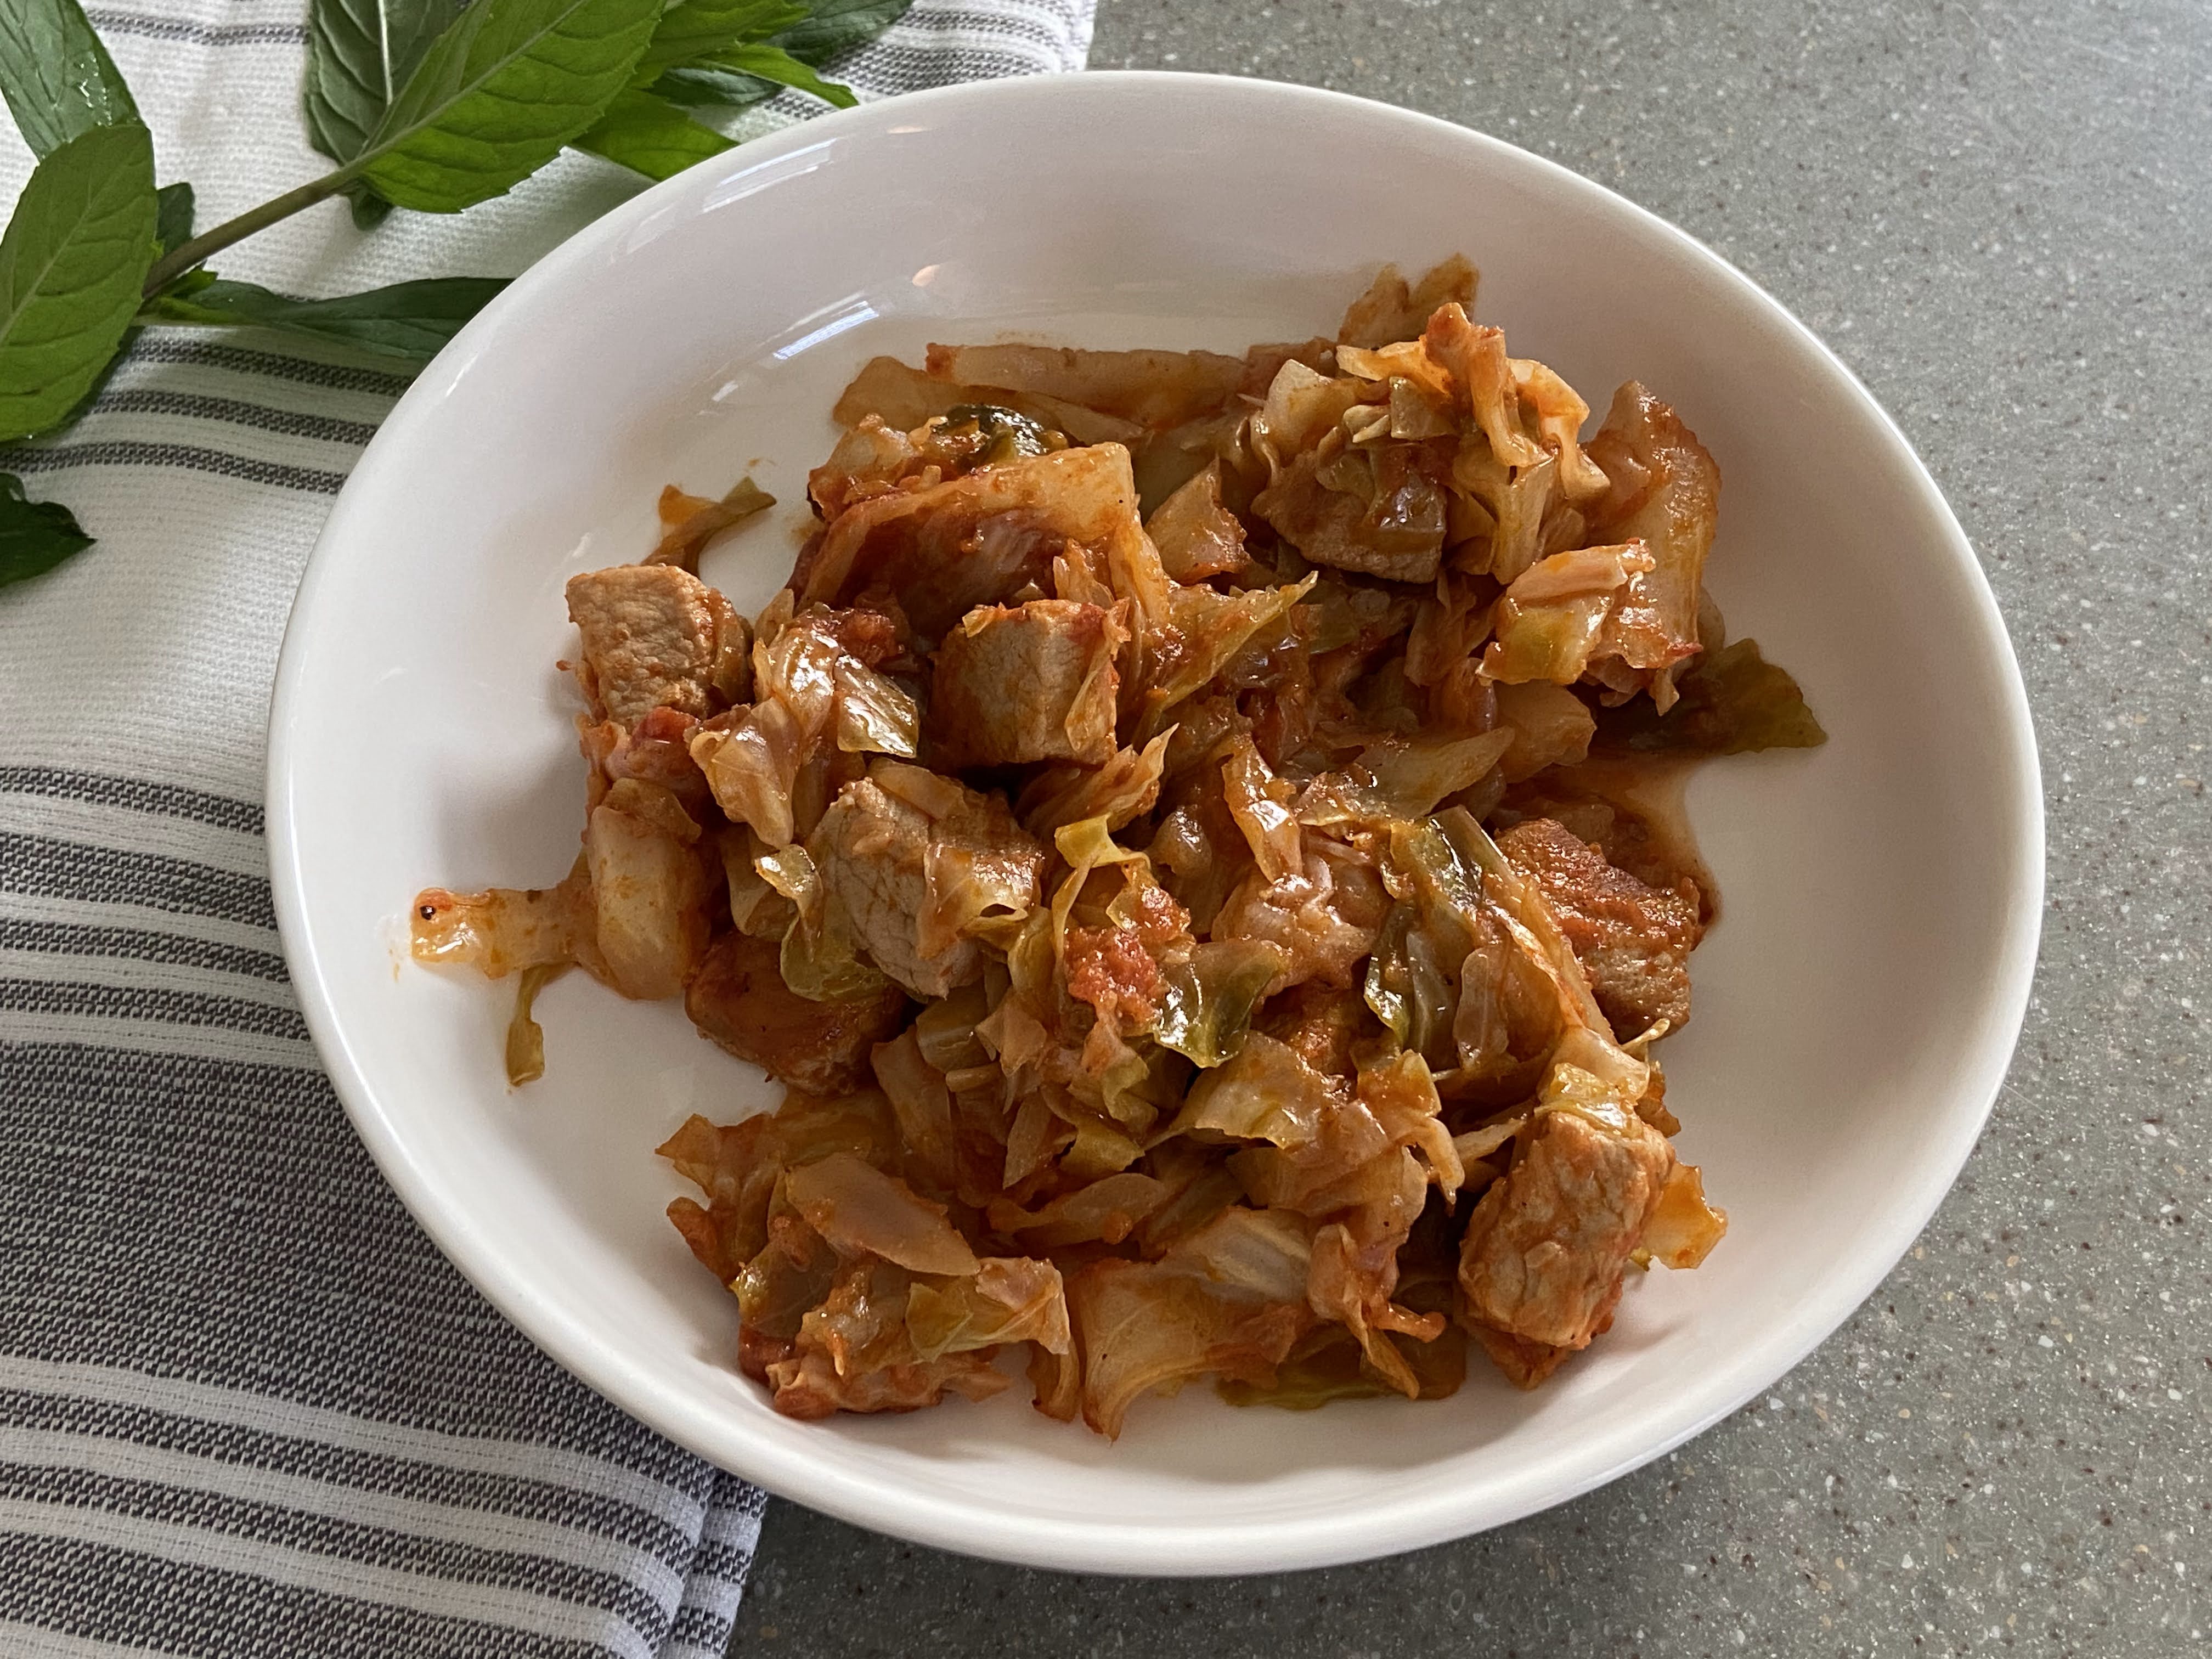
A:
[(1008, 1299), (1206, 1000), (859, 1210), (821, 959), (1179, 1018)]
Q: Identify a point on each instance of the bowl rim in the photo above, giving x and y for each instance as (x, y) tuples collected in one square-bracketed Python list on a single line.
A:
[(1102, 1545)]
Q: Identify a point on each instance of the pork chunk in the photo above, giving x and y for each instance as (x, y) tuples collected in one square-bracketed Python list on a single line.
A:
[(1024, 683), (1546, 1246), (909, 859), (737, 998), (653, 638), (1399, 534), (1633, 941)]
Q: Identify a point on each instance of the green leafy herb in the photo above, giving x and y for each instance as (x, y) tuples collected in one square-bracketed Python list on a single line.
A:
[(70, 265), (697, 28), (696, 85), (34, 536), (433, 105), (408, 320), (836, 26), (360, 54), (172, 215), (651, 136), (770, 63), (498, 94), (59, 79), (1733, 701)]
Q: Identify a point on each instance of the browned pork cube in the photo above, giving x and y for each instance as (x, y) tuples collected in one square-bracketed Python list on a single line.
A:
[(653, 638), (1024, 683), (1546, 1247), (739, 998), (895, 862), (1633, 941)]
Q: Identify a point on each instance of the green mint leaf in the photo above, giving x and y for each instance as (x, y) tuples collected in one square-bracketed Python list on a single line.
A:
[(699, 85), (70, 266), (774, 64), (360, 54), (58, 79), (409, 320), (651, 136), (34, 536), (499, 94), (172, 215), (368, 208), (190, 283), (85, 404), (696, 29), (836, 25)]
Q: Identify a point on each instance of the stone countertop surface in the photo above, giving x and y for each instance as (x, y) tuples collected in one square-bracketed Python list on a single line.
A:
[(2000, 216)]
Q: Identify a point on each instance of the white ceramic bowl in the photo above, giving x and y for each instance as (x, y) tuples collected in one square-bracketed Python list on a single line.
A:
[(1856, 1008)]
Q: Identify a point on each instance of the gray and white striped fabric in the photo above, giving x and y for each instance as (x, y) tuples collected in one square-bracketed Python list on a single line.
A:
[(246, 1408)]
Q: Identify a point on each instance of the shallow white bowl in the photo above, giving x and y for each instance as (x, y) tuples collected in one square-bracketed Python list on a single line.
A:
[(1856, 1008)]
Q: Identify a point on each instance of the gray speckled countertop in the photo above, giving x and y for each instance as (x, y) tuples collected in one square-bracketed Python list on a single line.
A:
[(2000, 215)]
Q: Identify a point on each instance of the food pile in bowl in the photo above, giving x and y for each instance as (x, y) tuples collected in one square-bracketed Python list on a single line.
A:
[(1198, 840)]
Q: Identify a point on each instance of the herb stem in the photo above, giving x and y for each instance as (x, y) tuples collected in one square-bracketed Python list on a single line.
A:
[(187, 255)]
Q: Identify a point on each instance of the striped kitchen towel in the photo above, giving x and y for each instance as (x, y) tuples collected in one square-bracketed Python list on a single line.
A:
[(245, 1407)]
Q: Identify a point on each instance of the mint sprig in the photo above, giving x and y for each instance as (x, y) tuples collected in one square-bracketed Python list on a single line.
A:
[(651, 136), (410, 320), (360, 54), (498, 94), (59, 79), (429, 105), (34, 536), (70, 262)]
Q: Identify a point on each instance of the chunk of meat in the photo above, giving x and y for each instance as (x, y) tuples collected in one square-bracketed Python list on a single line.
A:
[(1397, 531), (1032, 681), (737, 998), (1633, 941), (653, 637), (895, 860), (1546, 1247)]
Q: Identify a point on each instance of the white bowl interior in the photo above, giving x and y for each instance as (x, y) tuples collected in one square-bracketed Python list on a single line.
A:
[(1854, 1010)]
